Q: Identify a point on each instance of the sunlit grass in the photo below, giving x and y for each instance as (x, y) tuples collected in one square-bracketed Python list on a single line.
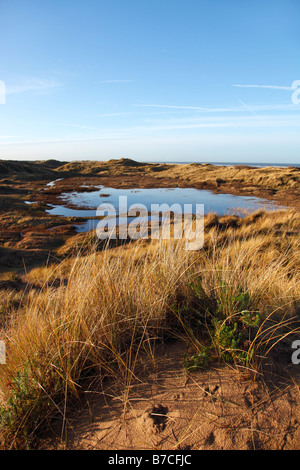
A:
[(95, 312)]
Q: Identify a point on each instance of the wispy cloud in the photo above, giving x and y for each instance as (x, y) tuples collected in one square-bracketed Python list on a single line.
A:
[(251, 110), (262, 107), (115, 81), (85, 126), (172, 128), (31, 84), (195, 108), (271, 87)]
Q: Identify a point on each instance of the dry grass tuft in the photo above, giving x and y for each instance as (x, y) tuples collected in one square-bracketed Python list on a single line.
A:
[(93, 314)]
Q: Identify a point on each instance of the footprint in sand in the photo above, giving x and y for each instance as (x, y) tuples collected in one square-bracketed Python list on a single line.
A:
[(158, 415)]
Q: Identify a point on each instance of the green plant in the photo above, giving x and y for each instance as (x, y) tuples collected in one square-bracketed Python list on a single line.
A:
[(250, 319), (232, 336), (225, 332), (24, 401), (229, 303), (229, 340), (199, 360)]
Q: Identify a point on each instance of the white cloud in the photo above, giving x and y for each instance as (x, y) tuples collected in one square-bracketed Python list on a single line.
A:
[(272, 87), (31, 84), (267, 107), (196, 108), (172, 128), (228, 147)]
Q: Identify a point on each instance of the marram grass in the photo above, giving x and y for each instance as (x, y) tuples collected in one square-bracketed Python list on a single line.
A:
[(94, 313)]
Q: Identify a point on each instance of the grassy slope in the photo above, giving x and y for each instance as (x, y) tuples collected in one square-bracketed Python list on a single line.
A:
[(82, 315), (242, 177), (94, 313)]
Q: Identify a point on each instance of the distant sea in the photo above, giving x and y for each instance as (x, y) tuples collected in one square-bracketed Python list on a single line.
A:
[(257, 165)]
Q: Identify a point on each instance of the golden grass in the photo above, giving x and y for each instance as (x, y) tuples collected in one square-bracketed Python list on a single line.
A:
[(116, 302), (269, 177)]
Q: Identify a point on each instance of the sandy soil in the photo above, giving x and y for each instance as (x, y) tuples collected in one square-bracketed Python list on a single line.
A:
[(163, 408)]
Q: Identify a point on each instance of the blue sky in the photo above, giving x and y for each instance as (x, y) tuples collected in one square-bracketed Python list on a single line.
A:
[(167, 80)]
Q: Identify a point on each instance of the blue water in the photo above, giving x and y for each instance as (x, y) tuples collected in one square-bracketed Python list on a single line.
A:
[(86, 203)]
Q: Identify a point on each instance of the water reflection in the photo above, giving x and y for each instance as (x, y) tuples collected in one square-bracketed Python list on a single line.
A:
[(86, 203)]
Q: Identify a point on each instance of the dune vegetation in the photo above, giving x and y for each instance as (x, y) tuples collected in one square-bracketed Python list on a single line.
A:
[(97, 311), (30, 236)]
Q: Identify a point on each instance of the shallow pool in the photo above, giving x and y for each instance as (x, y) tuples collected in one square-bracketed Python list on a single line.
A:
[(86, 203)]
